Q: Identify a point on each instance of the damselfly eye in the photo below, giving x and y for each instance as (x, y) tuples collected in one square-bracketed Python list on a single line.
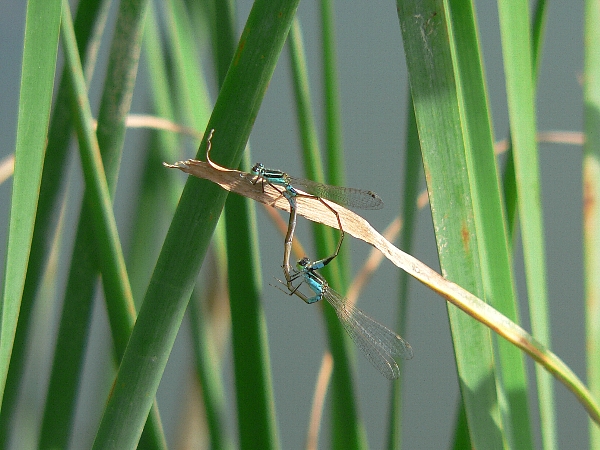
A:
[(303, 262), (258, 168)]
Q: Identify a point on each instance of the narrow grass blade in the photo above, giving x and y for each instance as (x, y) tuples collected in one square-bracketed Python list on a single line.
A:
[(111, 260), (159, 192), (207, 369), (253, 384), (412, 177), (439, 109), (110, 254), (333, 119), (461, 438), (509, 179), (494, 257), (347, 428), (89, 24), (42, 25), (223, 32), (189, 88), (509, 182), (591, 201), (83, 273), (188, 237), (518, 66)]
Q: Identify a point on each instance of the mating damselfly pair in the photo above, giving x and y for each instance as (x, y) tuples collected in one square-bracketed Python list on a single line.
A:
[(380, 344)]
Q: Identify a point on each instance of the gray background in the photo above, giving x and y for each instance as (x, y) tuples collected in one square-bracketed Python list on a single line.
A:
[(373, 88)]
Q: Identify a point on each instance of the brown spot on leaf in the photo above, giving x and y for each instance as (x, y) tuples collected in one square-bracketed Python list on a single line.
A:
[(466, 236)]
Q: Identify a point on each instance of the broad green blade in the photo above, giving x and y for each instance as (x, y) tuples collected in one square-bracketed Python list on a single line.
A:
[(438, 109), (494, 257)]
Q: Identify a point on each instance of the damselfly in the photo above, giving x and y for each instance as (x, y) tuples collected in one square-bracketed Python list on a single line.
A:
[(349, 197), (380, 344)]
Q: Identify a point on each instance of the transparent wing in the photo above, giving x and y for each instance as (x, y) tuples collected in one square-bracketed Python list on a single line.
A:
[(350, 197), (377, 342)]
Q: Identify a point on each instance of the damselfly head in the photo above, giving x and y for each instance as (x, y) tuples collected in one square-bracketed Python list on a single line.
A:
[(303, 262), (258, 169)]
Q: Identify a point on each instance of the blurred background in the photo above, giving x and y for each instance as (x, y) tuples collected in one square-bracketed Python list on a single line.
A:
[(374, 98)]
